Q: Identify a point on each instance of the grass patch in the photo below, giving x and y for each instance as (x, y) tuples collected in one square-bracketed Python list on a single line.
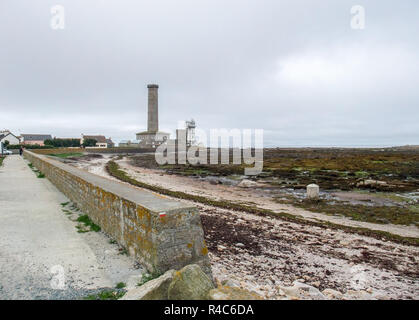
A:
[(123, 251), (106, 295), (66, 155), (112, 241), (374, 214), (65, 203), (121, 285), (146, 277), (1, 160), (331, 168), (38, 173), (114, 170), (85, 220), (67, 212)]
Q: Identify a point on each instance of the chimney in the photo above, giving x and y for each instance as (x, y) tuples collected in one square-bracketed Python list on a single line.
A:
[(153, 108)]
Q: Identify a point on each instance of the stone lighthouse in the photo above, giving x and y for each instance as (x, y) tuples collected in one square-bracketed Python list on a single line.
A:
[(152, 138), (153, 108)]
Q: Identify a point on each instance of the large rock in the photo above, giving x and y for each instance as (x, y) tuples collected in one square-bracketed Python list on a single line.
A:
[(156, 289), (190, 283), (232, 293)]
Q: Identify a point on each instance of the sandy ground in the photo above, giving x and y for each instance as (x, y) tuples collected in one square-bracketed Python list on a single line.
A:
[(247, 196), (264, 253), (42, 256)]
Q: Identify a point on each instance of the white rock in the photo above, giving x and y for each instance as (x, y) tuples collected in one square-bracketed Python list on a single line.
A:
[(155, 289), (313, 191), (303, 291), (247, 184)]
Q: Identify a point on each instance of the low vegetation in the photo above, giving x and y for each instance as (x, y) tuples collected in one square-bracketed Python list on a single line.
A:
[(146, 277), (332, 169), (38, 173), (402, 215), (67, 155), (114, 170), (29, 146), (109, 294), (63, 143), (86, 225), (1, 160)]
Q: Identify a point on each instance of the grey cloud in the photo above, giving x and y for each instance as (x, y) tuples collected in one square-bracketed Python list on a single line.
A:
[(293, 68)]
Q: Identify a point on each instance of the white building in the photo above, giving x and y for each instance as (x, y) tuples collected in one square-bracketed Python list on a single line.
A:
[(8, 136)]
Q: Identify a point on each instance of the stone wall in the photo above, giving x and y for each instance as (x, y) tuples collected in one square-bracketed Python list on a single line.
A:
[(116, 150), (160, 233)]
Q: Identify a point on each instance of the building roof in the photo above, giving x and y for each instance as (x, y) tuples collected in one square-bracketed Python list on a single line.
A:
[(7, 133), (144, 133), (99, 139), (36, 137)]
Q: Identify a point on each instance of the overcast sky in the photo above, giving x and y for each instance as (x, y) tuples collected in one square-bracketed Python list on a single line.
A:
[(294, 68)]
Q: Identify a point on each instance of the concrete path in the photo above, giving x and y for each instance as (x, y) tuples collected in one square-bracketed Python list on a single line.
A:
[(42, 256)]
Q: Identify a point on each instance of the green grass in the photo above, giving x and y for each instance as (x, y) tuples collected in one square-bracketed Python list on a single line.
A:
[(112, 241), (66, 155), (67, 212), (84, 219), (1, 160), (374, 214), (65, 203), (114, 170), (121, 285), (106, 295), (123, 251), (38, 173), (146, 277)]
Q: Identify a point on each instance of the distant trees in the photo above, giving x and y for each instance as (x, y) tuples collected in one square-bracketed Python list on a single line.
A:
[(6, 143), (62, 143), (89, 143)]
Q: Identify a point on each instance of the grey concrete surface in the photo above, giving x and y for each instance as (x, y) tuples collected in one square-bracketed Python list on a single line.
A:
[(38, 241)]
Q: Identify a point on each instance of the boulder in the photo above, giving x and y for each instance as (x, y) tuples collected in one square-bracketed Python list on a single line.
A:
[(156, 289), (190, 283), (232, 293)]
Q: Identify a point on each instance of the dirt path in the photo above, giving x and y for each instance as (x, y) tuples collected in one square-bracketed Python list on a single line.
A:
[(39, 244), (263, 253)]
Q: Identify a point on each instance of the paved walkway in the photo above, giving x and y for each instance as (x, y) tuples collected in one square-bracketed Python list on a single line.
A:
[(38, 241)]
